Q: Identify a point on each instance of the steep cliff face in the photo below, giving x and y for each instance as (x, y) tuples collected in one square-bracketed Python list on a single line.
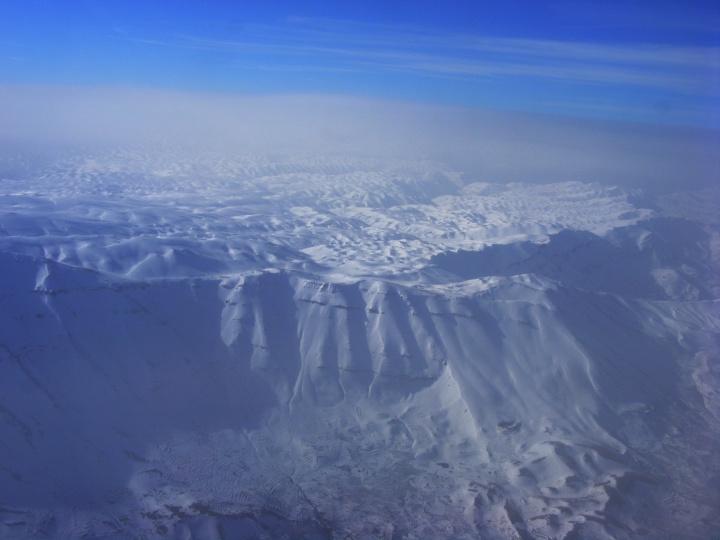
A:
[(506, 406)]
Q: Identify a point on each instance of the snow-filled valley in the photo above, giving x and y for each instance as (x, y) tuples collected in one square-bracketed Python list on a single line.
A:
[(200, 346)]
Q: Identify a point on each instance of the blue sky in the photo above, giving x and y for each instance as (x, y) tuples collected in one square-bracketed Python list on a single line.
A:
[(655, 62)]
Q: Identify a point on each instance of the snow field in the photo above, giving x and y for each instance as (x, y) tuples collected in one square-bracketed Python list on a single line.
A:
[(351, 348)]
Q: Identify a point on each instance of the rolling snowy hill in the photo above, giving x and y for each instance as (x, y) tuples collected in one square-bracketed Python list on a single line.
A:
[(193, 346)]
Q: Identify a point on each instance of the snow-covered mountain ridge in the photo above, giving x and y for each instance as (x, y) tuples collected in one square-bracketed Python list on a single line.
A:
[(365, 350)]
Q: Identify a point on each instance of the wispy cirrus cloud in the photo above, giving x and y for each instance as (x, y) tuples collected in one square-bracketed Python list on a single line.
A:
[(316, 44)]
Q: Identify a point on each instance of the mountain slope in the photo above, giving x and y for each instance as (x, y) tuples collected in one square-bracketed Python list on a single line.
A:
[(344, 385)]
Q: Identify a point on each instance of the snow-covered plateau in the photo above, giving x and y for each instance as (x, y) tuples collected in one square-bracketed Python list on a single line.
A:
[(201, 346)]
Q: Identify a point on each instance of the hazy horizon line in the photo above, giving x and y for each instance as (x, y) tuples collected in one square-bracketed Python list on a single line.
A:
[(487, 143)]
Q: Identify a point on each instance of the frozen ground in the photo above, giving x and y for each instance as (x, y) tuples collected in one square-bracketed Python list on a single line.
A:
[(304, 347)]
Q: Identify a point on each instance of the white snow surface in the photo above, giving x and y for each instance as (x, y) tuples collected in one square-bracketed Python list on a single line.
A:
[(201, 346)]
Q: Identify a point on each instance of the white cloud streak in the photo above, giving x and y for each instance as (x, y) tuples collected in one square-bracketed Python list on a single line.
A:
[(688, 70)]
